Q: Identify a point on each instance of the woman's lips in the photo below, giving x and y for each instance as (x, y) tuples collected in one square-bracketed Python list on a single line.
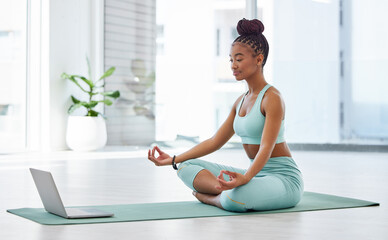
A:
[(235, 73)]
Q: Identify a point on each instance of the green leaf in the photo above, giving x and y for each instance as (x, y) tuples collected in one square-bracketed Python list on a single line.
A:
[(94, 93), (65, 76), (107, 73), (92, 113), (91, 104), (75, 100), (112, 94), (74, 107), (72, 78), (87, 81), (107, 102)]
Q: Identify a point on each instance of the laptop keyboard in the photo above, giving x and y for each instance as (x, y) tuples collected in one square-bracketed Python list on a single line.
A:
[(79, 211)]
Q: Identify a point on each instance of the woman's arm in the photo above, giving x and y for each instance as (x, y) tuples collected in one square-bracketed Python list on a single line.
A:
[(274, 113), (224, 133)]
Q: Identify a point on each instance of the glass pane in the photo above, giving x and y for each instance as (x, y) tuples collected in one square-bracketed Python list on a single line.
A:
[(130, 35), (195, 88), (13, 24), (303, 63), (369, 70)]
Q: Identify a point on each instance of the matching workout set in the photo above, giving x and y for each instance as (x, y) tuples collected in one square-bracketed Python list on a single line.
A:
[(278, 185)]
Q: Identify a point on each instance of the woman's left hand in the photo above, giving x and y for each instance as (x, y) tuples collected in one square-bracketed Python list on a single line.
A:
[(236, 179)]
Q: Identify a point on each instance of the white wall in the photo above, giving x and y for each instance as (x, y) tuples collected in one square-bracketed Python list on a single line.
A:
[(66, 40)]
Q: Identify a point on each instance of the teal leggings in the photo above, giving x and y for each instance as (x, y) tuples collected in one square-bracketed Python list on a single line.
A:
[(278, 185)]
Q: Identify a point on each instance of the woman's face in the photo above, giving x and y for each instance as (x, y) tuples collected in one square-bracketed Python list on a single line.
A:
[(243, 63)]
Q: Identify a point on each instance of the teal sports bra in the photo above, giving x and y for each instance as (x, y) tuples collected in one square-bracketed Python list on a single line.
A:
[(250, 127)]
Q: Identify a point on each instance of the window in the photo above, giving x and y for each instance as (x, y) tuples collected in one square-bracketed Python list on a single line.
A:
[(332, 76), (367, 73), (303, 63), (13, 28), (130, 46)]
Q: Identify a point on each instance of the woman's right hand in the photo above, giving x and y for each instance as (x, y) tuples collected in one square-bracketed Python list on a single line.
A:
[(162, 160)]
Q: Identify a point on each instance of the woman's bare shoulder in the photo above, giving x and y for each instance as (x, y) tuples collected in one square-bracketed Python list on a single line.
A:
[(273, 94), (273, 99), (274, 90)]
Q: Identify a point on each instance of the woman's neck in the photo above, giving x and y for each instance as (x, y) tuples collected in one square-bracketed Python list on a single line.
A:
[(256, 83)]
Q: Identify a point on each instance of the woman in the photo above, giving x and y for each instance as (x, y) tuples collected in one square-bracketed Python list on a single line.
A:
[(273, 180)]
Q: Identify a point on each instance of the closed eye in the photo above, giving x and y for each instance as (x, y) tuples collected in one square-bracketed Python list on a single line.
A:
[(237, 60)]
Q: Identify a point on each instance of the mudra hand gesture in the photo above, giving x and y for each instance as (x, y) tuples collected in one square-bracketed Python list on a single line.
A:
[(235, 180), (162, 160)]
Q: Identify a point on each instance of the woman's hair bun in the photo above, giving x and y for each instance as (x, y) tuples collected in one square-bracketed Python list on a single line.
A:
[(250, 27)]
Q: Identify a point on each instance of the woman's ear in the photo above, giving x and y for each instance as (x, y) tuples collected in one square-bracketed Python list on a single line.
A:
[(260, 59)]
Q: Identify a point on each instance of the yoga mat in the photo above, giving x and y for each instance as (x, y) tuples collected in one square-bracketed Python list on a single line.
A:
[(175, 210)]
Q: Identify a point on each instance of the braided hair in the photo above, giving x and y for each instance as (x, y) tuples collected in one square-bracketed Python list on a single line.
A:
[(251, 34)]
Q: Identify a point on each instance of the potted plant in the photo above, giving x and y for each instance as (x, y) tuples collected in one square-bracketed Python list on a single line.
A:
[(88, 132)]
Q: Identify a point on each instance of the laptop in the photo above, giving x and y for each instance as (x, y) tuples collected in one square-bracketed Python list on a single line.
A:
[(52, 202)]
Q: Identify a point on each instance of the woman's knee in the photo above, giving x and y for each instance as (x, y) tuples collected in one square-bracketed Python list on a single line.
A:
[(187, 171)]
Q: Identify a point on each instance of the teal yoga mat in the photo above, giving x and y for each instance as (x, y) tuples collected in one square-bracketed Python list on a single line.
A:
[(175, 210)]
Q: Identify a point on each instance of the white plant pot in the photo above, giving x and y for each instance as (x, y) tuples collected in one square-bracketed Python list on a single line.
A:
[(85, 133)]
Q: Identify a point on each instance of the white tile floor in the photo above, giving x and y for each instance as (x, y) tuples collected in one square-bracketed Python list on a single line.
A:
[(124, 175)]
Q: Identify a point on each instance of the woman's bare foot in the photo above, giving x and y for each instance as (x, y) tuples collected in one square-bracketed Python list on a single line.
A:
[(208, 199)]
